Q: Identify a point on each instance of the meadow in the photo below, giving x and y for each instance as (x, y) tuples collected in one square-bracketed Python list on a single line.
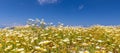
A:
[(35, 38)]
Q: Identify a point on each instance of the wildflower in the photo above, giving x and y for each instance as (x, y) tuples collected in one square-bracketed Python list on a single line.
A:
[(103, 48), (74, 42), (32, 40), (24, 43), (87, 37), (66, 40), (100, 41), (92, 39), (103, 51), (81, 51), (26, 38), (0, 45), (22, 52), (14, 49), (97, 47), (29, 36), (54, 47), (90, 35), (86, 51), (20, 35), (9, 47), (97, 52), (38, 48), (110, 52), (35, 38), (21, 49), (56, 35), (79, 39), (84, 44), (7, 35), (60, 29), (117, 35), (72, 51), (44, 42), (17, 41), (92, 43), (61, 43), (113, 44), (18, 44)]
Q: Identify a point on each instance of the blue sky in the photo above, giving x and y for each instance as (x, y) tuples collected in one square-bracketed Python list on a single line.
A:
[(69, 12)]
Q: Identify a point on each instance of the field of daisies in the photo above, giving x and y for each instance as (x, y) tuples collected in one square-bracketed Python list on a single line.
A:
[(39, 37)]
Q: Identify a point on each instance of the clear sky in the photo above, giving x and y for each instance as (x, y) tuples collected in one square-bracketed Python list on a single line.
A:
[(69, 12)]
